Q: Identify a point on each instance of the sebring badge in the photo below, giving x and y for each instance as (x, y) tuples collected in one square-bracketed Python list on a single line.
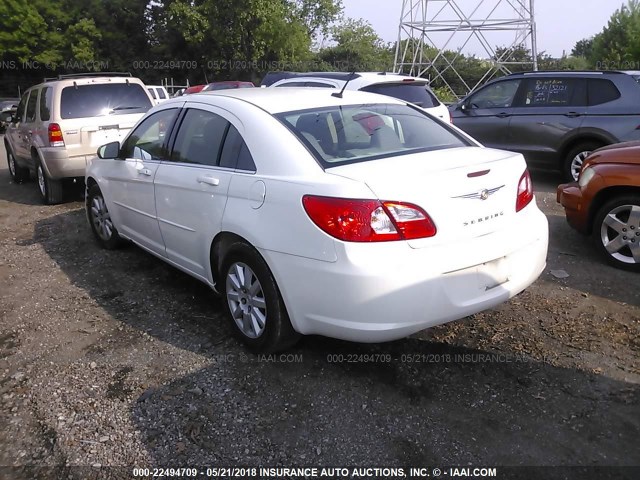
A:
[(482, 194)]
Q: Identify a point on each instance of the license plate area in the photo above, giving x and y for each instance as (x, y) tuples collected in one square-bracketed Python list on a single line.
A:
[(493, 274)]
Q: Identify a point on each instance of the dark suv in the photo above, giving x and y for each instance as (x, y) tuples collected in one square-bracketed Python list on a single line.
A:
[(554, 118)]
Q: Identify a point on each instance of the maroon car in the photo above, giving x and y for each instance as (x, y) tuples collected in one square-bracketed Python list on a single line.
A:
[(227, 85), (605, 203)]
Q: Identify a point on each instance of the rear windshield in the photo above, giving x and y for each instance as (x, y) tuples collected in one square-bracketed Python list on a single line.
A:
[(416, 93), (359, 133), (103, 99)]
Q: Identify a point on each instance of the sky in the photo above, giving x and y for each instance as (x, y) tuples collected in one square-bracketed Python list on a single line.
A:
[(560, 23)]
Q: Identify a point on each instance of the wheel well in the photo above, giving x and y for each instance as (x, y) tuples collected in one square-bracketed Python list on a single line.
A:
[(577, 141), (603, 196), (219, 248), (91, 182), (34, 153)]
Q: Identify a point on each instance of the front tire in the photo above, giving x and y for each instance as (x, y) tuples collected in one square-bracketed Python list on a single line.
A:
[(253, 302), (616, 232), (18, 174), (100, 220), (50, 190), (574, 160)]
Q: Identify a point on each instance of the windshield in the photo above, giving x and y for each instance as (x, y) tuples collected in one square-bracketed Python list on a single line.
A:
[(103, 99), (358, 133), (413, 92)]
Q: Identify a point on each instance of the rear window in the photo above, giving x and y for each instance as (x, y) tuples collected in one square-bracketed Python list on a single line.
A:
[(412, 92), (351, 134), (103, 99)]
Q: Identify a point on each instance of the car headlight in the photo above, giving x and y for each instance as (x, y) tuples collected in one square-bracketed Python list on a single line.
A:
[(585, 177)]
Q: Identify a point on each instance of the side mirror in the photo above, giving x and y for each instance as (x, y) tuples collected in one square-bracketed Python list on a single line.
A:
[(110, 150)]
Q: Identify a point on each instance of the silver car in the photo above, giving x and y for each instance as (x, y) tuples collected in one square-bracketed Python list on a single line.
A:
[(61, 122)]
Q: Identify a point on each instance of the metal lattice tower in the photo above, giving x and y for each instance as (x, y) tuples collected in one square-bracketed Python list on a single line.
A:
[(428, 28)]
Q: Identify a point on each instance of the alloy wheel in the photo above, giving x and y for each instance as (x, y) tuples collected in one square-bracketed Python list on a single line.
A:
[(12, 164), (101, 218), (620, 233), (41, 181), (246, 299), (576, 163)]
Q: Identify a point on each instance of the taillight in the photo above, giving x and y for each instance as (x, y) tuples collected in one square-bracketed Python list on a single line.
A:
[(356, 220), (55, 135), (525, 191)]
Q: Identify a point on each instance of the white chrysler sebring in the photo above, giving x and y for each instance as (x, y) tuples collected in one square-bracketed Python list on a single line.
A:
[(352, 215)]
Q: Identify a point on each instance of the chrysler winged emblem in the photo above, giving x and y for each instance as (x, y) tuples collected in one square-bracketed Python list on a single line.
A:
[(482, 194)]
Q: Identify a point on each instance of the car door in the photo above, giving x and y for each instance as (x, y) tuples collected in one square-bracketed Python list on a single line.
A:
[(486, 114), (548, 111), (131, 179), (191, 188)]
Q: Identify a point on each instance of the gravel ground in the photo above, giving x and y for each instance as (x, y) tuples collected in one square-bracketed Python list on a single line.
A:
[(116, 359)]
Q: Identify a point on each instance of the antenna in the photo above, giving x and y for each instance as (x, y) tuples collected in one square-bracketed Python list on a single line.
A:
[(339, 95)]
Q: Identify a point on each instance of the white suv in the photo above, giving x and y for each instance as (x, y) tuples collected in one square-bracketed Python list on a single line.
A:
[(61, 122), (410, 89), (159, 93)]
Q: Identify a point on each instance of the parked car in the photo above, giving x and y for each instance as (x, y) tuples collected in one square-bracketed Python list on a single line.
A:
[(8, 107), (227, 85), (59, 124), (193, 89), (309, 223), (410, 89), (555, 119), (605, 203), (158, 93)]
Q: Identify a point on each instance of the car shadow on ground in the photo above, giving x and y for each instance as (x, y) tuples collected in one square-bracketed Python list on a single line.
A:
[(411, 403), (27, 193), (332, 402)]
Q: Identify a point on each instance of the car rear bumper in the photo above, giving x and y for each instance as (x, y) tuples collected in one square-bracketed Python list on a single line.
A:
[(58, 164), (570, 197), (382, 292)]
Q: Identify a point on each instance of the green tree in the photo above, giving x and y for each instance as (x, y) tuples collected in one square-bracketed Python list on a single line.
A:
[(583, 48), (357, 48)]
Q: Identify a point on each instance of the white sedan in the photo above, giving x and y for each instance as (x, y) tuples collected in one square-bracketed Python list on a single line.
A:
[(354, 216)]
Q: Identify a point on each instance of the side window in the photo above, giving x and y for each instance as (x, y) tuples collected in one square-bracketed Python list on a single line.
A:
[(45, 104), (235, 153), (199, 139), (152, 92), (497, 95), (553, 92), (602, 91), (161, 94), (22, 106), (31, 106), (147, 141)]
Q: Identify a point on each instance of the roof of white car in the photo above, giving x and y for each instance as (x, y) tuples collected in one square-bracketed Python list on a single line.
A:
[(278, 100)]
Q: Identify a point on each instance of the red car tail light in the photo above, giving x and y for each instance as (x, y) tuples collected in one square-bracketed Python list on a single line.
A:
[(525, 191), (55, 135), (357, 220)]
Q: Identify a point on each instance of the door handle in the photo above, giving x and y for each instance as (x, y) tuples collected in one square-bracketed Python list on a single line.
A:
[(209, 180), (573, 114), (144, 171), (503, 115)]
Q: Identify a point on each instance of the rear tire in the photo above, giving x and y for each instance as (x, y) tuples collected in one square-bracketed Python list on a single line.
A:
[(616, 232), (99, 218), (253, 302), (50, 190), (572, 164), (18, 174)]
